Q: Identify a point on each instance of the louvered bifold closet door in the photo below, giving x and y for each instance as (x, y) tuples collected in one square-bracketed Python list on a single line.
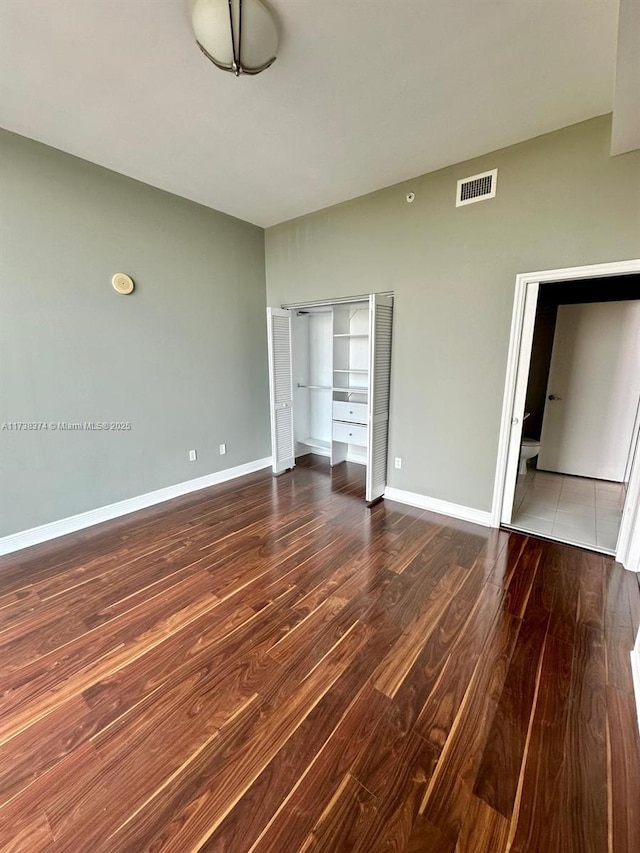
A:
[(280, 389), (380, 327)]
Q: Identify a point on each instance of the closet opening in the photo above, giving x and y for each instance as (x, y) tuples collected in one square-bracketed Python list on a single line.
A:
[(329, 374)]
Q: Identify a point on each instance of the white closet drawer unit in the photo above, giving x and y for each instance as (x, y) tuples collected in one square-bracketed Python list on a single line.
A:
[(350, 433), (355, 413)]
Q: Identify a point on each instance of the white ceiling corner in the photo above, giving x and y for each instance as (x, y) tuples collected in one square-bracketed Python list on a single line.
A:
[(625, 129), (364, 93)]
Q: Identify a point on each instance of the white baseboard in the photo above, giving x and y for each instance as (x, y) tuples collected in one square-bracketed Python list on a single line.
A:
[(635, 669), (35, 535), (467, 513)]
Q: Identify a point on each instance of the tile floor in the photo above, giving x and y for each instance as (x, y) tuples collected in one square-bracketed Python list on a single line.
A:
[(569, 509)]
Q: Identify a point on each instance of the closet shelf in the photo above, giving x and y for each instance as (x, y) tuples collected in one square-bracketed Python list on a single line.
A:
[(315, 387), (349, 370), (353, 390), (349, 335), (318, 443)]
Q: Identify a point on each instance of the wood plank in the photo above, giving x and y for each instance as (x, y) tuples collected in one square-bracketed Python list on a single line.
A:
[(159, 736), (40, 687), (25, 815), (504, 568), (617, 604), (427, 837), (484, 830), (522, 578), (443, 704), (583, 794), (39, 748), (292, 823), (461, 615), (499, 772), (395, 667), (619, 643), (187, 810), (140, 681), (446, 799), (343, 820), (394, 813), (624, 772), (561, 572), (30, 832), (536, 813), (14, 604), (591, 591), (297, 760)]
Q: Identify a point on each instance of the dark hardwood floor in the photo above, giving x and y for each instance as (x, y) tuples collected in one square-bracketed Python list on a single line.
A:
[(268, 665)]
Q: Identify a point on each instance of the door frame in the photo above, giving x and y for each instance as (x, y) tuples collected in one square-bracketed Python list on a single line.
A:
[(516, 380)]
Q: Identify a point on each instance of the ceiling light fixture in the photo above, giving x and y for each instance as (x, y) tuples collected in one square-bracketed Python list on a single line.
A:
[(236, 35)]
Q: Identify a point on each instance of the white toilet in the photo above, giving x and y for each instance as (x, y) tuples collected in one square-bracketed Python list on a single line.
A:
[(529, 449)]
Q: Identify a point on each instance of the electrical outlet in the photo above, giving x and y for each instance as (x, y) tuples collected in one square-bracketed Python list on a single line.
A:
[(398, 462), (223, 449), (192, 456)]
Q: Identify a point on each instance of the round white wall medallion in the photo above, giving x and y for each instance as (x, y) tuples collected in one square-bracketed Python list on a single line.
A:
[(122, 283)]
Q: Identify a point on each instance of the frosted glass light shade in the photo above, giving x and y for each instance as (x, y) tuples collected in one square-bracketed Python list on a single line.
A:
[(236, 35)]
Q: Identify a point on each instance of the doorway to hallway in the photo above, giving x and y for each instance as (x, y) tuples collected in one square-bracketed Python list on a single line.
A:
[(572, 392)]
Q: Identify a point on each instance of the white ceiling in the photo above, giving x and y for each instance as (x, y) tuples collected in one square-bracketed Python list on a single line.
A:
[(364, 93)]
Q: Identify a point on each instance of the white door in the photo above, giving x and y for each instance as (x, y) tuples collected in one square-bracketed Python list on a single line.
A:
[(380, 325), (592, 395), (280, 389), (517, 413)]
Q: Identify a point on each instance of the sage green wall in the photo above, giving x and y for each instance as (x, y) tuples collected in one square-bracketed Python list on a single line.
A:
[(183, 358), (562, 201)]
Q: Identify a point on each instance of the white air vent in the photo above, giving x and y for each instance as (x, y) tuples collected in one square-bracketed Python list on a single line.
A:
[(477, 188)]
